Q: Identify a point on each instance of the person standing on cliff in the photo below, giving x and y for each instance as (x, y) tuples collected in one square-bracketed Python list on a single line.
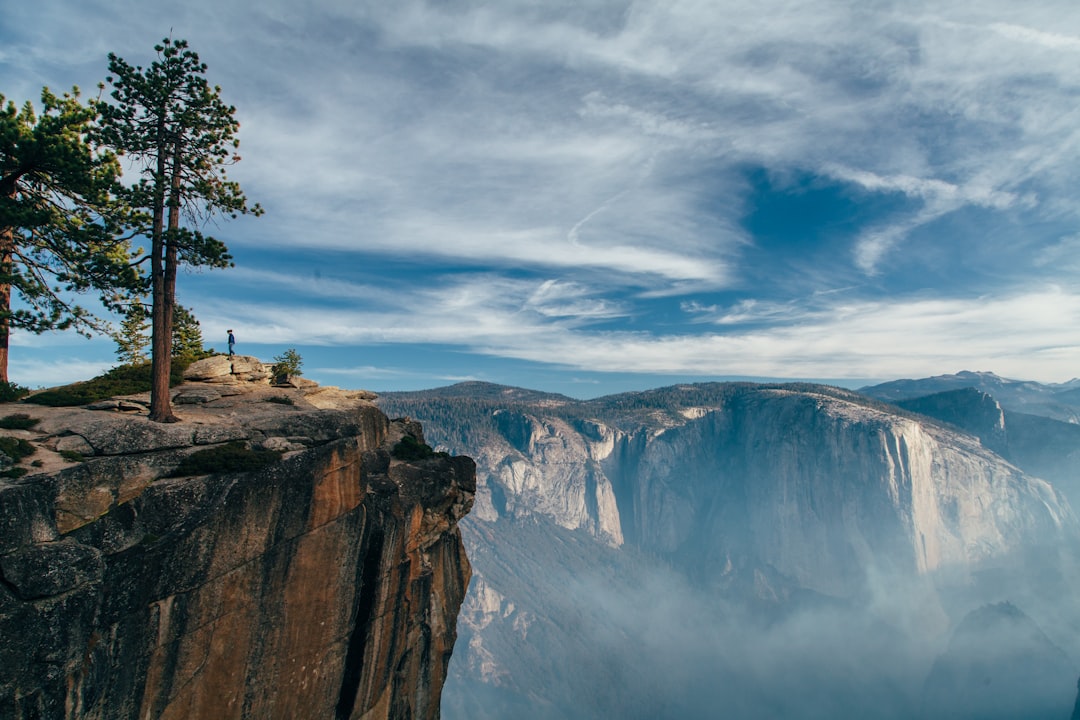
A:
[(232, 341)]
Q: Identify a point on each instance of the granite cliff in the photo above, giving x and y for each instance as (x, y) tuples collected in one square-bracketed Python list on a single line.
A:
[(815, 482), (704, 541), (1041, 445), (322, 580)]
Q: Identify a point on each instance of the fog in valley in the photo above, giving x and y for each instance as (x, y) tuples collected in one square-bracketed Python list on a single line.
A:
[(741, 593), (637, 638)]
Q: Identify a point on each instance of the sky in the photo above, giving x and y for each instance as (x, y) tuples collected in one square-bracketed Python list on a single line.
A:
[(594, 196)]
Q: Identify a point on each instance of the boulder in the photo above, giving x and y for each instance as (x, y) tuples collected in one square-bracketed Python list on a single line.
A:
[(196, 396), (227, 370), (294, 381), (211, 369), (74, 444)]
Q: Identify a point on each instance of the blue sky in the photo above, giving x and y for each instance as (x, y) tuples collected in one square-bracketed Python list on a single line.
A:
[(589, 197)]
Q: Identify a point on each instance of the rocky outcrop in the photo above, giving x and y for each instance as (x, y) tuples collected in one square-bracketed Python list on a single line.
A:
[(970, 410), (999, 665), (826, 490), (323, 584), (1041, 446), (228, 369)]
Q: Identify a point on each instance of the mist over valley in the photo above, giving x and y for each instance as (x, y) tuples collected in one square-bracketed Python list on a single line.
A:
[(751, 550)]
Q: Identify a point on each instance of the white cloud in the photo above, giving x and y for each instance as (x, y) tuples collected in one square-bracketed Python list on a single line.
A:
[(1030, 334), (1053, 41), (872, 246), (524, 130), (1060, 257), (934, 191), (1019, 335)]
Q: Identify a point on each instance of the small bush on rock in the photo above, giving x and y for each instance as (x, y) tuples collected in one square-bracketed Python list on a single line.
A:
[(231, 457), (122, 380), (10, 392), (287, 363), (409, 449), (19, 421), (16, 448)]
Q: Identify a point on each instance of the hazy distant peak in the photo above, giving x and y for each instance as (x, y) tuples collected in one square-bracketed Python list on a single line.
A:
[(1058, 401)]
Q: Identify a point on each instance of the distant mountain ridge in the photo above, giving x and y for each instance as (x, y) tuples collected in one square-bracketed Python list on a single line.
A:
[(838, 521), (1039, 441), (1060, 401)]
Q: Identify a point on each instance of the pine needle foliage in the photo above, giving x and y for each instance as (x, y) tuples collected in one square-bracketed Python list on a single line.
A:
[(60, 219), (169, 118)]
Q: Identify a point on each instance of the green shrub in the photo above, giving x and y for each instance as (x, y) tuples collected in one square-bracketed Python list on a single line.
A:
[(19, 421), (72, 456), (231, 457), (16, 448), (10, 392), (409, 449), (287, 363), (14, 472), (121, 380), (280, 400)]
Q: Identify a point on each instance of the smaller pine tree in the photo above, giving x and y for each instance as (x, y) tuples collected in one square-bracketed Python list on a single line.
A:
[(187, 339), (132, 338), (288, 363)]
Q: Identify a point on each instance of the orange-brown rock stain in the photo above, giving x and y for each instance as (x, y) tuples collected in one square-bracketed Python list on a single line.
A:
[(310, 588)]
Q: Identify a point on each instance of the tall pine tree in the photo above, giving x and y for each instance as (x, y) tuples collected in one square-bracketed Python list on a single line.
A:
[(170, 118)]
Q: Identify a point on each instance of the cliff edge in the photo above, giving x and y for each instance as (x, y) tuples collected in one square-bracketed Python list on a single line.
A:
[(313, 573)]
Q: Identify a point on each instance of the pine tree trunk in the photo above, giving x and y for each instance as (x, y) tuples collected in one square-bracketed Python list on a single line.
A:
[(161, 313), (10, 189), (160, 361), (7, 246)]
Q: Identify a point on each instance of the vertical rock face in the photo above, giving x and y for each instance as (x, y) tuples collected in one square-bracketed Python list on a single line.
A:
[(972, 410), (822, 489), (324, 585), (815, 483)]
